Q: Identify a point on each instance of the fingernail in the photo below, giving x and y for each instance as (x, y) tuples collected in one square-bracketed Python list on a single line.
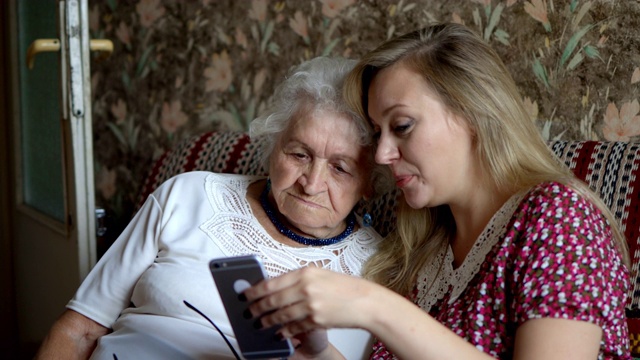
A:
[(257, 324), (247, 314), (279, 337), (242, 297)]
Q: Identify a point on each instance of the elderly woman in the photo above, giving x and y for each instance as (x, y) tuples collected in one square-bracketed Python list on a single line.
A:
[(320, 164)]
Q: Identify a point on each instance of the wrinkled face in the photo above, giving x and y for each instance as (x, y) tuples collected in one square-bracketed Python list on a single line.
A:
[(428, 149), (318, 172)]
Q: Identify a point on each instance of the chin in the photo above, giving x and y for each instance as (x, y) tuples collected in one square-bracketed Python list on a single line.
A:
[(414, 200), (304, 223), (415, 205)]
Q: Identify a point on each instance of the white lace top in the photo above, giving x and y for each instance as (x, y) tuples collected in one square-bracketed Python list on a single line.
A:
[(161, 260), (236, 230)]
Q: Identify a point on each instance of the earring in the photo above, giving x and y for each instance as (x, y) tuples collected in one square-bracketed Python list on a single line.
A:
[(366, 219)]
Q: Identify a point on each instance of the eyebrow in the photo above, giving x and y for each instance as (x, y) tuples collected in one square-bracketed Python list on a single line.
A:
[(386, 111), (339, 156)]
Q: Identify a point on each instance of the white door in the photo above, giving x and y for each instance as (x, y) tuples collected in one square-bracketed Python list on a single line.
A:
[(53, 221)]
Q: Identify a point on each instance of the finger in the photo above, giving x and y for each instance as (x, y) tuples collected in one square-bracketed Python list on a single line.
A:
[(298, 328), (291, 313), (276, 308), (282, 291), (270, 286)]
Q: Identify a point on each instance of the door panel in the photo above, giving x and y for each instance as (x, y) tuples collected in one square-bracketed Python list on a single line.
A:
[(53, 226), (46, 274)]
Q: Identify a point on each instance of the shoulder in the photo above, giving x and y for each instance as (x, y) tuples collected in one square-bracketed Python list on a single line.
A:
[(354, 251), (555, 200), (554, 217), (369, 234), (199, 179), (184, 179), (362, 244), (552, 190), (557, 214), (190, 186)]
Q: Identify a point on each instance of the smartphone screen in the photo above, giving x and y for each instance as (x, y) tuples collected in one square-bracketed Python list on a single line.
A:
[(232, 276)]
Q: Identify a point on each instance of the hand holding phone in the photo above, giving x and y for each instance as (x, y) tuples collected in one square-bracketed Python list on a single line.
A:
[(232, 276)]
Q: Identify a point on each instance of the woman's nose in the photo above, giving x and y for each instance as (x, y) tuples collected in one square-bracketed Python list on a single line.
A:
[(386, 151), (314, 180)]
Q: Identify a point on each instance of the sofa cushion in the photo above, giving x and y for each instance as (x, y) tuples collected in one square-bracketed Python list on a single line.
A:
[(610, 169)]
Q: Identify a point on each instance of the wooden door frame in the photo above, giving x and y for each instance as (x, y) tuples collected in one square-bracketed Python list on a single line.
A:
[(8, 319), (64, 262)]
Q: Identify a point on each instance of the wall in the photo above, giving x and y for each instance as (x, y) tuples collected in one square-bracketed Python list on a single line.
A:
[(183, 67)]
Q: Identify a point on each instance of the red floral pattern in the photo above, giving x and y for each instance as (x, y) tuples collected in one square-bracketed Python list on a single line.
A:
[(556, 260)]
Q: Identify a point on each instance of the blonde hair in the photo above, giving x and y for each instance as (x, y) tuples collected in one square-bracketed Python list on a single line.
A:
[(473, 83)]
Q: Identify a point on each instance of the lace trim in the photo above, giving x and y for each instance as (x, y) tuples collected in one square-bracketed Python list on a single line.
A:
[(433, 287), (235, 230)]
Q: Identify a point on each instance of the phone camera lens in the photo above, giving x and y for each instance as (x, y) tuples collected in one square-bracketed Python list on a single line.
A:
[(216, 265)]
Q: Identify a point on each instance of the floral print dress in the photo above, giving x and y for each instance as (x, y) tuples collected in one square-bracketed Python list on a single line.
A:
[(547, 253)]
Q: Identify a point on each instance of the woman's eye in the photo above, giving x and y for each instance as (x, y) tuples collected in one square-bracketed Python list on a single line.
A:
[(341, 169), (401, 129)]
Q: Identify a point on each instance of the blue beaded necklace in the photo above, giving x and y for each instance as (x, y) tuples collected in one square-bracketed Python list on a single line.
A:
[(264, 201)]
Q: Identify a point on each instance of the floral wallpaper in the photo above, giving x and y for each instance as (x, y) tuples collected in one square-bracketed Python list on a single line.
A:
[(181, 67)]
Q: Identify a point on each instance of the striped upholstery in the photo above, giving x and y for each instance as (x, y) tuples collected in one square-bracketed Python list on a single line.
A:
[(610, 168)]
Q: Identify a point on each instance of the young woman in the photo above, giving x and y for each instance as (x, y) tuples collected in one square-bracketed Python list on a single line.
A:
[(505, 253)]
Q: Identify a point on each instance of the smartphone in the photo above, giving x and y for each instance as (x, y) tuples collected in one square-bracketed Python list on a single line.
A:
[(233, 275)]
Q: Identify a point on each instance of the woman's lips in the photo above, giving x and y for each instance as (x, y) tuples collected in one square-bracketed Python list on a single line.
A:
[(306, 202), (403, 180)]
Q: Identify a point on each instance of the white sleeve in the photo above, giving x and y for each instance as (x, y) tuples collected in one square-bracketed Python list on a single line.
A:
[(352, 343), (107, 289)]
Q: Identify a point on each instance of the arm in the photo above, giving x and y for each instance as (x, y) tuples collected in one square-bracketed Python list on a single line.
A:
[(106, 291), (72, 336), (549, 338), (545, 338), (312, 298)]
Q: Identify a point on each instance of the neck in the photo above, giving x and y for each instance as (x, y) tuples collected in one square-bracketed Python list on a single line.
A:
[(471, 219)]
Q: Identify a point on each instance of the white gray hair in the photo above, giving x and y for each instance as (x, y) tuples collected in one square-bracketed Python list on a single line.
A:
[(314, 85)]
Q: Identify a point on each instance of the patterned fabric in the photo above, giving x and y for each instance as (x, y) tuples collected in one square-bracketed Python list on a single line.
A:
[(610, 168), (551, 257)]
